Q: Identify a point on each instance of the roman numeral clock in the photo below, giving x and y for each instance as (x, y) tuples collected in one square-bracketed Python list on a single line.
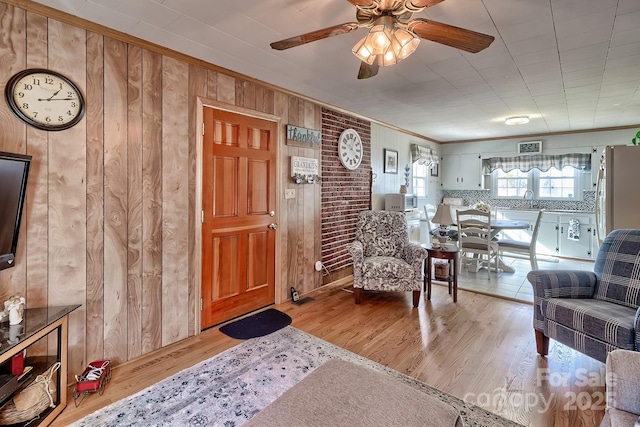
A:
[(350, 150)]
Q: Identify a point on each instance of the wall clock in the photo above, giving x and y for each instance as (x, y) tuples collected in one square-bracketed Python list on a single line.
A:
[(530, 147), (44, 99), (350, 150)]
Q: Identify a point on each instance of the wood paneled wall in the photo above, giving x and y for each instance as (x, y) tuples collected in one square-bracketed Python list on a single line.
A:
[(110, 215)]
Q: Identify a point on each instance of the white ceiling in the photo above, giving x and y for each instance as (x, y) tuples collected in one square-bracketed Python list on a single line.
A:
[(568, 64)]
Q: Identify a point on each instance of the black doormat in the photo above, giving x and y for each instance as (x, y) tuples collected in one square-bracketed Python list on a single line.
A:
[(257, 325)]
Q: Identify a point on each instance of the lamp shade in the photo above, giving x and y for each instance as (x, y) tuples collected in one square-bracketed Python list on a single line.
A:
[(443, 215)]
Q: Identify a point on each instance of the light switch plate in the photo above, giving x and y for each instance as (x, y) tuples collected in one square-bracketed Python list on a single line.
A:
[(290, 193)]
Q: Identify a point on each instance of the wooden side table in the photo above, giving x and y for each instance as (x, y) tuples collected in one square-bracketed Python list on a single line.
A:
[(451, 254)]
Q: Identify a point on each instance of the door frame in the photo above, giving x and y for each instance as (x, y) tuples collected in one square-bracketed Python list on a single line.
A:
[(201, 103)]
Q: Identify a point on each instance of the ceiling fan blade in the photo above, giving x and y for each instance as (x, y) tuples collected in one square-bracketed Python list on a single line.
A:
[(367, 70), (417, 4), (449, 35), (313, 36)]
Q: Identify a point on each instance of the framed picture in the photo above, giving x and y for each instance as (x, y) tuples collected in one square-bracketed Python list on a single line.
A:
[(390, 161), (434, 170)]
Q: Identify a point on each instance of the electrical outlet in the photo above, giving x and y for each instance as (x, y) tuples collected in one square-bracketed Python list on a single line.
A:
[(290, 193)]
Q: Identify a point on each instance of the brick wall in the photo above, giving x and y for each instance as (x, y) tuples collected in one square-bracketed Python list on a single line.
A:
[(344, 193)]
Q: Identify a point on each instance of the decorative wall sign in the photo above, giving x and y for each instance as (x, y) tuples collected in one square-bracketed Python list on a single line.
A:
[(304, 170), (303, 137)]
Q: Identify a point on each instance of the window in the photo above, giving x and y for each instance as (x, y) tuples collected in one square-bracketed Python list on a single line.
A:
[(552, 184), (510, 184), (420, 179), (555, 183)]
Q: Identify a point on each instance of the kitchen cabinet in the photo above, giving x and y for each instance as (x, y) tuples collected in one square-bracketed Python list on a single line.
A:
[(553, 233), (580, 247), (548, 235), (414, 231), (591, 179), (461, 171), (413, 226)]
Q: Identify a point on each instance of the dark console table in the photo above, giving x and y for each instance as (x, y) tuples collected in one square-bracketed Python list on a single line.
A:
[(49, 324)]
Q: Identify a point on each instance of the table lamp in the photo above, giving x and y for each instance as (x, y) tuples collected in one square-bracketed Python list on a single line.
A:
[(444, 219)]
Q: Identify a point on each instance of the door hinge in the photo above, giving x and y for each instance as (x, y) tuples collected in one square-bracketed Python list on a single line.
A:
[(202, 217), (202, 128), (201, 304)]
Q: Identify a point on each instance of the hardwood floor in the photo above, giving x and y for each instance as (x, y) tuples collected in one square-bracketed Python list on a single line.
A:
[(481, 349)]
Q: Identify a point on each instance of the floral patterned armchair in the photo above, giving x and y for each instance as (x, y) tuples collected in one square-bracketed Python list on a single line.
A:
[(383, 258)]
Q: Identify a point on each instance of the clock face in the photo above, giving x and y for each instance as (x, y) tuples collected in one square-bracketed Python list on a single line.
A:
[(350, 149), (45, 99)]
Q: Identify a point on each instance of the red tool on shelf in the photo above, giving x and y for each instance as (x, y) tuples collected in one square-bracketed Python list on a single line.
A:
[(94, 378)]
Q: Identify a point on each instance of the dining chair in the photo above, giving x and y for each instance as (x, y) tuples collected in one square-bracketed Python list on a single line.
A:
[(523, 249), (475, 237), (429, 212)]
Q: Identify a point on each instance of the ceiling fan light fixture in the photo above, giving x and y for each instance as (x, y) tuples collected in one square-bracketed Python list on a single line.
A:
[(362, 52), (516, 120), (404, 43), (379, 39), (389, 58), (377, 42)]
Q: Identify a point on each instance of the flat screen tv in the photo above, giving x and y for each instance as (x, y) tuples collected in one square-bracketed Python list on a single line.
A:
[(14, 171)]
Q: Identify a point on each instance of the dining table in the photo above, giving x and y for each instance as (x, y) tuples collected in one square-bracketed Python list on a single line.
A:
[(498, 225)]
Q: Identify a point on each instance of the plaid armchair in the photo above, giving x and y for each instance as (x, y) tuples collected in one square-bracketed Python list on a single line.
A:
[(592, 312), (623, 387), (383, 258)]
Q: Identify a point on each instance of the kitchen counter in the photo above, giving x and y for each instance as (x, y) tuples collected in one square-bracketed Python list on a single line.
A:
[(558, 211)]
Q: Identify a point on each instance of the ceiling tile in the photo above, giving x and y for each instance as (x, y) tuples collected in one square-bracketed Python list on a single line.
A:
[(569, 64)]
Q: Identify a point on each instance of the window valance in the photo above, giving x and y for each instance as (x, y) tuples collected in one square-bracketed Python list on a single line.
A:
[(423, 155), (544, 162)]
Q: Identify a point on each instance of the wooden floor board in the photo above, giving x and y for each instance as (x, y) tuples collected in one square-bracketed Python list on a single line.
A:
[(481, 349)]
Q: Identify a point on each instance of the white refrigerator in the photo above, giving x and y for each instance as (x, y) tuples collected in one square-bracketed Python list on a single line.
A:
[(618, 190)]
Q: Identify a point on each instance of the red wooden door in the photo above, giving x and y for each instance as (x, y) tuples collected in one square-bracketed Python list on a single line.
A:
[(238, 232)]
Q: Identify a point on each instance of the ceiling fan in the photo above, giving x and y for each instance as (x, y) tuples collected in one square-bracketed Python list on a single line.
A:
[(393, 35)]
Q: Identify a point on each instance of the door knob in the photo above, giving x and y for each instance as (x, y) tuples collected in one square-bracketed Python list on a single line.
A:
[(272, 213), (273, 226)]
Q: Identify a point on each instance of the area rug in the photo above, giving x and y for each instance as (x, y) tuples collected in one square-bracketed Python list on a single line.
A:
[(340, 393), (228, 389), (257, 325)]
